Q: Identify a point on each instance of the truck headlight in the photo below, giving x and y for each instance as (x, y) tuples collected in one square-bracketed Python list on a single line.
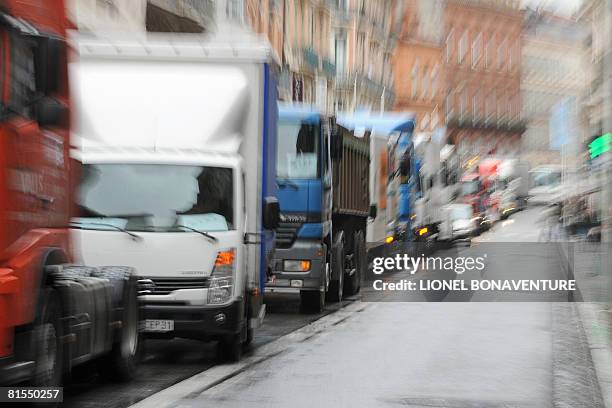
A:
[(222, 281), (301, 265)]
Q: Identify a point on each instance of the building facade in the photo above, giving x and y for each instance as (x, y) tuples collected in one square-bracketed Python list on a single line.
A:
[(482, 58), (552, 84), (418, 67), (597, 105), (187, 16), (363, 42)]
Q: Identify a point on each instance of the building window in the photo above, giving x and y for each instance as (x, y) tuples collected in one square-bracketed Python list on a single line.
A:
[(489, 53), (510, 58), (500, 108), (449, 44), (313, 23), (415, 78), (434, 81), (450, 108), (501, 54), (361, 51), (476, 50), (425, 84), (490, 107), (476, 105), (463, 41), (425, 121), (463, 103), (340, 52), (434, 118)]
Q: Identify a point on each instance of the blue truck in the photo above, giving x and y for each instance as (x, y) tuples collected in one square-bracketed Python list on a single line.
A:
[(391, 139), (322, 175)]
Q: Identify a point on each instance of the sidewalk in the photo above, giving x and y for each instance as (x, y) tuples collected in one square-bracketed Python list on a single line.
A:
[(589, 263)]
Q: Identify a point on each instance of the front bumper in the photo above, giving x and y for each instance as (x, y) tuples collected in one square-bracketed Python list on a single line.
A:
[(464, 234), (198, 322), (287, 282)]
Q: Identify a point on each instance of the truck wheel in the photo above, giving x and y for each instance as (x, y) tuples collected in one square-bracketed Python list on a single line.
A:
[(336, 286), (353, 283), (312, 301), (48, 349), (127, 349), (230, 348), (249, 334)]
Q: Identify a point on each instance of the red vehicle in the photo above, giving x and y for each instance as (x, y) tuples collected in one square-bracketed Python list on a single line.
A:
[(52, 315), (476, 190)]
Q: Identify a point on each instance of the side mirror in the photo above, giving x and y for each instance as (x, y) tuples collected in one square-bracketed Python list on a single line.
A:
[(444, 176), (327, 184), (50, 112), (404, 164), (47, 64), (336, 143), (373, 211), (271, 214)]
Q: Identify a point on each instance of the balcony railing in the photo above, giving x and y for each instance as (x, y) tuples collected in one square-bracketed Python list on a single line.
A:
[(469, 122), (310, 57), (348, 81)]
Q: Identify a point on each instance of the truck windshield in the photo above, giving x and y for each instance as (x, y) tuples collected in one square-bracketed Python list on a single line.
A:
[(155, 197), (470, 187), (298, 151), (461, 212), (545, 178)]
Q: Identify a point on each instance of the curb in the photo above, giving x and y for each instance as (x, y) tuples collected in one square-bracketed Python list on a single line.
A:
[(597, 323), (593, 318)]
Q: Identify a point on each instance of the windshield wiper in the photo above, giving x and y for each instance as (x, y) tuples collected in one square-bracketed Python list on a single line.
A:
[(284, 183), (79, 225), (204, 234)]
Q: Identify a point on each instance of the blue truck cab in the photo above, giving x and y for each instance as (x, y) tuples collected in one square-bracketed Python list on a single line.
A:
[(303, 183)]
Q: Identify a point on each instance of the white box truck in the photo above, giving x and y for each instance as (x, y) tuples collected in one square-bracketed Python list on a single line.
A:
[(176, 137)]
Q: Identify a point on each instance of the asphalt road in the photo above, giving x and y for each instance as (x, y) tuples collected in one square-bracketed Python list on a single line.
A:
[(169, 362), (529, 353), (443, 354)]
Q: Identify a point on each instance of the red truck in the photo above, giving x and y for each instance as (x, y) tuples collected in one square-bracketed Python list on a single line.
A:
[(53, 315)]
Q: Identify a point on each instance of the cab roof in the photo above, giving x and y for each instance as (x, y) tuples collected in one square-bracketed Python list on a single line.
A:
[(299, 112), (380, 125)]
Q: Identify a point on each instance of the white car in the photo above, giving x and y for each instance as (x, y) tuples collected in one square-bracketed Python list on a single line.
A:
[(458, 223)]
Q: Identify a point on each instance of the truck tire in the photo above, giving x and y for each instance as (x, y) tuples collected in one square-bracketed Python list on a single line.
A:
[(230, 348), (122, 363), (353, 282), (48, 353), (250, 332), (312, 301), (336, 286)]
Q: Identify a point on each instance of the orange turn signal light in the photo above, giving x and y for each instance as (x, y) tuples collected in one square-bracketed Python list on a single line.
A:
[(225, 258)]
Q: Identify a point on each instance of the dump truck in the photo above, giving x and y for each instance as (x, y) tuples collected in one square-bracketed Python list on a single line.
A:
[(322, 175)]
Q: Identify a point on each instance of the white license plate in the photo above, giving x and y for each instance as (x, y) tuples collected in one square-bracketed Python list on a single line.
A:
[(158, 326)]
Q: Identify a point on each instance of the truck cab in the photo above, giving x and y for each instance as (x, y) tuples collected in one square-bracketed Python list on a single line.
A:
[(54, 315), (303, 176)]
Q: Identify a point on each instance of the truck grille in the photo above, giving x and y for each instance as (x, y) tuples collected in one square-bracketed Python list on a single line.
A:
[(164, 286), (286, 233)]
